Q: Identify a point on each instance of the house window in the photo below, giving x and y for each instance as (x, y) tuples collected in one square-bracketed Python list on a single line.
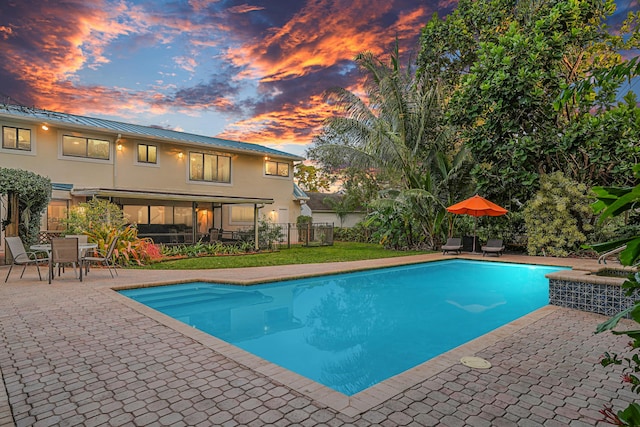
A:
[(161, 215), (136, 214), (147, 153), (240, 213), (209, 167), (276, 168), (90, 148), (54, 220), (158, 214), (16, 138)]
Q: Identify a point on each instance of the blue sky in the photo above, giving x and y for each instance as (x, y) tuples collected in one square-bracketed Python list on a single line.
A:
[(251, 72)]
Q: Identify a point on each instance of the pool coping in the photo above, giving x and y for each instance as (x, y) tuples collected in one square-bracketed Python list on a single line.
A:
[(348, 405)]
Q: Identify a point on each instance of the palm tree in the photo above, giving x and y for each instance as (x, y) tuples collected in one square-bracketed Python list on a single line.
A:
[(398, 130)]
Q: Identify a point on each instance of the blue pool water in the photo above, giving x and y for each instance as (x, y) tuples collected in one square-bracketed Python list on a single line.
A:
[(351, 331)]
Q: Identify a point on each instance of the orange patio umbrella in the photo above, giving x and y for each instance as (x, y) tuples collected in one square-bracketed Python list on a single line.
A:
[(476, 206)]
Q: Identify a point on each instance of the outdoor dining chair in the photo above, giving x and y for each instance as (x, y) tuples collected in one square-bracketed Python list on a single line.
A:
[(64, 251), (82, 238), (103, 258), (21, 257)]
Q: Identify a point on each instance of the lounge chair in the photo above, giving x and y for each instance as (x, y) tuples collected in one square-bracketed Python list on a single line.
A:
[(21, 257), (493, 246), (454, 244)]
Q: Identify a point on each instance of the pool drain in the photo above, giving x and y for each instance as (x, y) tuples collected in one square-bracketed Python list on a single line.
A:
[(475, 362)]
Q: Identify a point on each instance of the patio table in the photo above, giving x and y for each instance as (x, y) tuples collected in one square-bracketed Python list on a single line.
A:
[(46, 247)]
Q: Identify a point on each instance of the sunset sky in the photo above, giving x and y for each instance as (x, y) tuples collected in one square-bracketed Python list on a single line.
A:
[(248, 71)]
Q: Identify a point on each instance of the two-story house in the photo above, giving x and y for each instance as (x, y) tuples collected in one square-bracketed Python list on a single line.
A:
[(165, 181)]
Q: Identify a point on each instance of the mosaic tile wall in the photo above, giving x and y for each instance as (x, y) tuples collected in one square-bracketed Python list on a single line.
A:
[(602, 299)]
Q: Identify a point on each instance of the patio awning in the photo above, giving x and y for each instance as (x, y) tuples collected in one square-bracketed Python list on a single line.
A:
[(168, 196)]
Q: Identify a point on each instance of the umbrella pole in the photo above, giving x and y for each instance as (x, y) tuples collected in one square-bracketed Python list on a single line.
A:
[(475, 223)]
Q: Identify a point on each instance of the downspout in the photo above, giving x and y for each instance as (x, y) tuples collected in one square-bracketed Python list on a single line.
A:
[(255, 227), (194, 221)]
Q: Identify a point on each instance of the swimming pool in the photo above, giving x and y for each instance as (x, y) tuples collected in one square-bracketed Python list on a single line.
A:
[(351, 331)]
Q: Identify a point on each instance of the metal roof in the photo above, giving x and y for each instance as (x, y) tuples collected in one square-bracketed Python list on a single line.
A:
[(53, 118), (298, 194)]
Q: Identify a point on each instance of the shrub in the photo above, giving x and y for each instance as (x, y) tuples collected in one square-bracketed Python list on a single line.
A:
[(33, 193), (359, 233), (558, 217), (203, 248), (103, 221)]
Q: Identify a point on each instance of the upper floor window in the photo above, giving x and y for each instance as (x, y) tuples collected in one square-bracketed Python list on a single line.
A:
[(209, 167), (147, 153), (91, 148), (16, 138), (274, 168)]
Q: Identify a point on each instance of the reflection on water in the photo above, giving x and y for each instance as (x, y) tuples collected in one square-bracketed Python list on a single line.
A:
[(476, 308), (351, 331)]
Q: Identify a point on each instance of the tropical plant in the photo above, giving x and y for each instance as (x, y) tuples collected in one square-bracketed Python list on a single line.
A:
[(558, 217), (33, 193), (619, 201), (129, 250), (399, 132), (103, 221)]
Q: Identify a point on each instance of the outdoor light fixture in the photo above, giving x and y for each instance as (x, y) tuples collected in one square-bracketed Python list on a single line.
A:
[(45, 127), (180, 155), (119, 147)]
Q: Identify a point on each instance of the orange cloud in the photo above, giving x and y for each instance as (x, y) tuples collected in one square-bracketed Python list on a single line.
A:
[(293, 124), (315, 37), (244, 8)]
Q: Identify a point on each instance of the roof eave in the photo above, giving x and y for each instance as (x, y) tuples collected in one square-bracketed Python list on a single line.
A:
[(169, 196)]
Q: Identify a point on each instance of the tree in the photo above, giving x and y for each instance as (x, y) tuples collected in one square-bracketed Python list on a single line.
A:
[(310, 178), (398, 131), (508, 65)]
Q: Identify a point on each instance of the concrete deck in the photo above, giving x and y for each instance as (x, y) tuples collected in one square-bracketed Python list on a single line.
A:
[(76, 353)]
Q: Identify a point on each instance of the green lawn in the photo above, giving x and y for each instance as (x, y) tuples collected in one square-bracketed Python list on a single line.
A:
[(340, 251)]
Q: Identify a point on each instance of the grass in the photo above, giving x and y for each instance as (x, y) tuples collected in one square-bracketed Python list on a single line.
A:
[(340, 251)]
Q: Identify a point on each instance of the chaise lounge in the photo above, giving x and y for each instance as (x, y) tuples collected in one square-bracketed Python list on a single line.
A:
[(454, 244), (493, 246)]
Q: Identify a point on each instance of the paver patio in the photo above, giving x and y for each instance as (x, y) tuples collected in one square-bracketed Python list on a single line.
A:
[(74, 353)]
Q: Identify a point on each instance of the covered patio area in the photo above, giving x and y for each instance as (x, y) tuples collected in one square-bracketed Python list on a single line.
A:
[(175, 217)]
